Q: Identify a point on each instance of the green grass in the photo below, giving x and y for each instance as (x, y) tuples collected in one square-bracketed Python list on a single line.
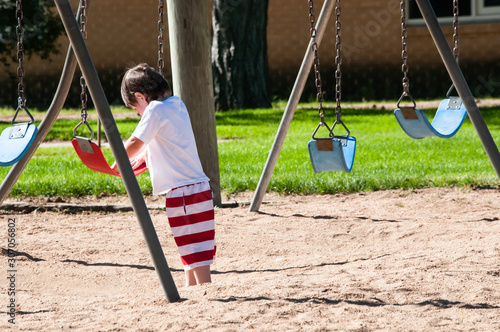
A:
[(385, 157)]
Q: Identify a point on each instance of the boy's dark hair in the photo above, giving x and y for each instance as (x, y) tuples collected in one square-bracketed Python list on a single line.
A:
[(144, 79)]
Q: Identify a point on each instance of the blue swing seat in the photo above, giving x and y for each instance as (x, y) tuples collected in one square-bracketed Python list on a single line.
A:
[(449, 117), (332, 154), (15, 141)]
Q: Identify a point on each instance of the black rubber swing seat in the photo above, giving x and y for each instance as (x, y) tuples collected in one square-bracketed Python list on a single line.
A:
[(449, 117)]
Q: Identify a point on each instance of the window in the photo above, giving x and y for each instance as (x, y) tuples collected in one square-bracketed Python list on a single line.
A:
[(471, 11), (489, 7)]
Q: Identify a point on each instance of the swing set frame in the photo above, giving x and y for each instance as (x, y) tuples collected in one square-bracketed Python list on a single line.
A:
[(448, 59)]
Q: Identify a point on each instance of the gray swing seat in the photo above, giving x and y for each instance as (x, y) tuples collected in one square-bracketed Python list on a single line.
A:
[(449, 117), (332, 154)]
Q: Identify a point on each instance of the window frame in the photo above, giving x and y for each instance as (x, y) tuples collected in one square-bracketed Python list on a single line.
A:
[(479, 14), (487, 10)]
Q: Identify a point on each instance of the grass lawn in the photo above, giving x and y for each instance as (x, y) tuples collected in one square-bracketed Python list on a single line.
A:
[(385, 157)]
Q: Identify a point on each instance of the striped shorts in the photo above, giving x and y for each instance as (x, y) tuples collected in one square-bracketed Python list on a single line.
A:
[(190, 213)]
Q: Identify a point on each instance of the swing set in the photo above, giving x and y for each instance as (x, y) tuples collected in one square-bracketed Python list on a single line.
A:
[(330, 152), (336, 152)]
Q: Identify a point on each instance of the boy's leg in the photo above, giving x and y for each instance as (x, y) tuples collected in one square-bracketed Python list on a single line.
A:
[(202, 274), (190, 214), (198, 275), (190, 278)]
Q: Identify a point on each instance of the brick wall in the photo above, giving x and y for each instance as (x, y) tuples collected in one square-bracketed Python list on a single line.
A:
[(371, 41), (122, 35)]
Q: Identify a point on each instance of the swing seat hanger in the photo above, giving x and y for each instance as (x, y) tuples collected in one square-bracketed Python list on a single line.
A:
[(340, 122), (84, 121), (23, 107), (321, 125)]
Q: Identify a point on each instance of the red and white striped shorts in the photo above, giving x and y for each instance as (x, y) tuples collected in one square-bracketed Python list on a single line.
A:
[(190, 213)]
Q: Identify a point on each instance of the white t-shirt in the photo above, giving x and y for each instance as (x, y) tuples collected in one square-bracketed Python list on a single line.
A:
[(173, 159)]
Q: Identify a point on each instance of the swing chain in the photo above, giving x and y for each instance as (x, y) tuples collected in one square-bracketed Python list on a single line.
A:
[(161, 26), (83, 84), (404, 52), (456, 37), (20, 54), (21, 99), (338, 63), (338, 73), (404, 56), (317, 75)]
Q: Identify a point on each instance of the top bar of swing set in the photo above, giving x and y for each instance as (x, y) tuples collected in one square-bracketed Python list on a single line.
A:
[(116, 143), (448, 59)]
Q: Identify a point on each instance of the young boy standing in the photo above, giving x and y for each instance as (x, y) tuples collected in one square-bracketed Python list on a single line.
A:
[(164, 139)]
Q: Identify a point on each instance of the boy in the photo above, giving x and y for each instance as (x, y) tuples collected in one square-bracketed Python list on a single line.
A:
[(164, 139)]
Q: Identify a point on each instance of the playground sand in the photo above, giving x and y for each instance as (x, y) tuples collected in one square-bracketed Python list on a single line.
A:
[(422, 260)]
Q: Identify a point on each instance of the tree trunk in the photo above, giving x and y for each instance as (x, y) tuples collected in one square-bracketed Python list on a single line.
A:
[(239, 54), (192, 79)]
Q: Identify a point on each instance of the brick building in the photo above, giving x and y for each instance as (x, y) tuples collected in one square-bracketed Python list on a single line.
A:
[(124, 33)]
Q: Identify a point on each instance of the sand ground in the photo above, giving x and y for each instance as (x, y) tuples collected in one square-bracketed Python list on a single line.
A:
[(422, 260)]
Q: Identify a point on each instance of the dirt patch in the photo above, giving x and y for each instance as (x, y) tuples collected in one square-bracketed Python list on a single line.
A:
[(423, 260)]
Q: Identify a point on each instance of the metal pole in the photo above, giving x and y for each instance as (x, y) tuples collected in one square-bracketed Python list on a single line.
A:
[(46, 124), (293, 101), (116, 143), (460, 84)]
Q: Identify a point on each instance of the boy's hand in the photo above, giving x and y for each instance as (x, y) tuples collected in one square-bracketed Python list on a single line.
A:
[(137, 161), (114, 167)]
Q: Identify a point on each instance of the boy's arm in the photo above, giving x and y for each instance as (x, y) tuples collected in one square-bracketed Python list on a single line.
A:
[(132, 146)]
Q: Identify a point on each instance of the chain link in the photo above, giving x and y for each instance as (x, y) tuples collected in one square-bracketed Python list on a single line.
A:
[(20, 54), (404, 52), (338, 63), (456, 37), (317, 75), (161, 26), (83, 84)]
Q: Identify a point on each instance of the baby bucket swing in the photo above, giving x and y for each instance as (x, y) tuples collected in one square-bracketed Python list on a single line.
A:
[(334, 152)]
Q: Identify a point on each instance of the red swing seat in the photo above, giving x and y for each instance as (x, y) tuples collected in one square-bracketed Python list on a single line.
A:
[(91, 155)]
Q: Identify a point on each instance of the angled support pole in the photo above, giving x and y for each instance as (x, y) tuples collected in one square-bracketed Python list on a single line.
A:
[(46, 124), (460, 83), (116, 143), (291, 106)]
